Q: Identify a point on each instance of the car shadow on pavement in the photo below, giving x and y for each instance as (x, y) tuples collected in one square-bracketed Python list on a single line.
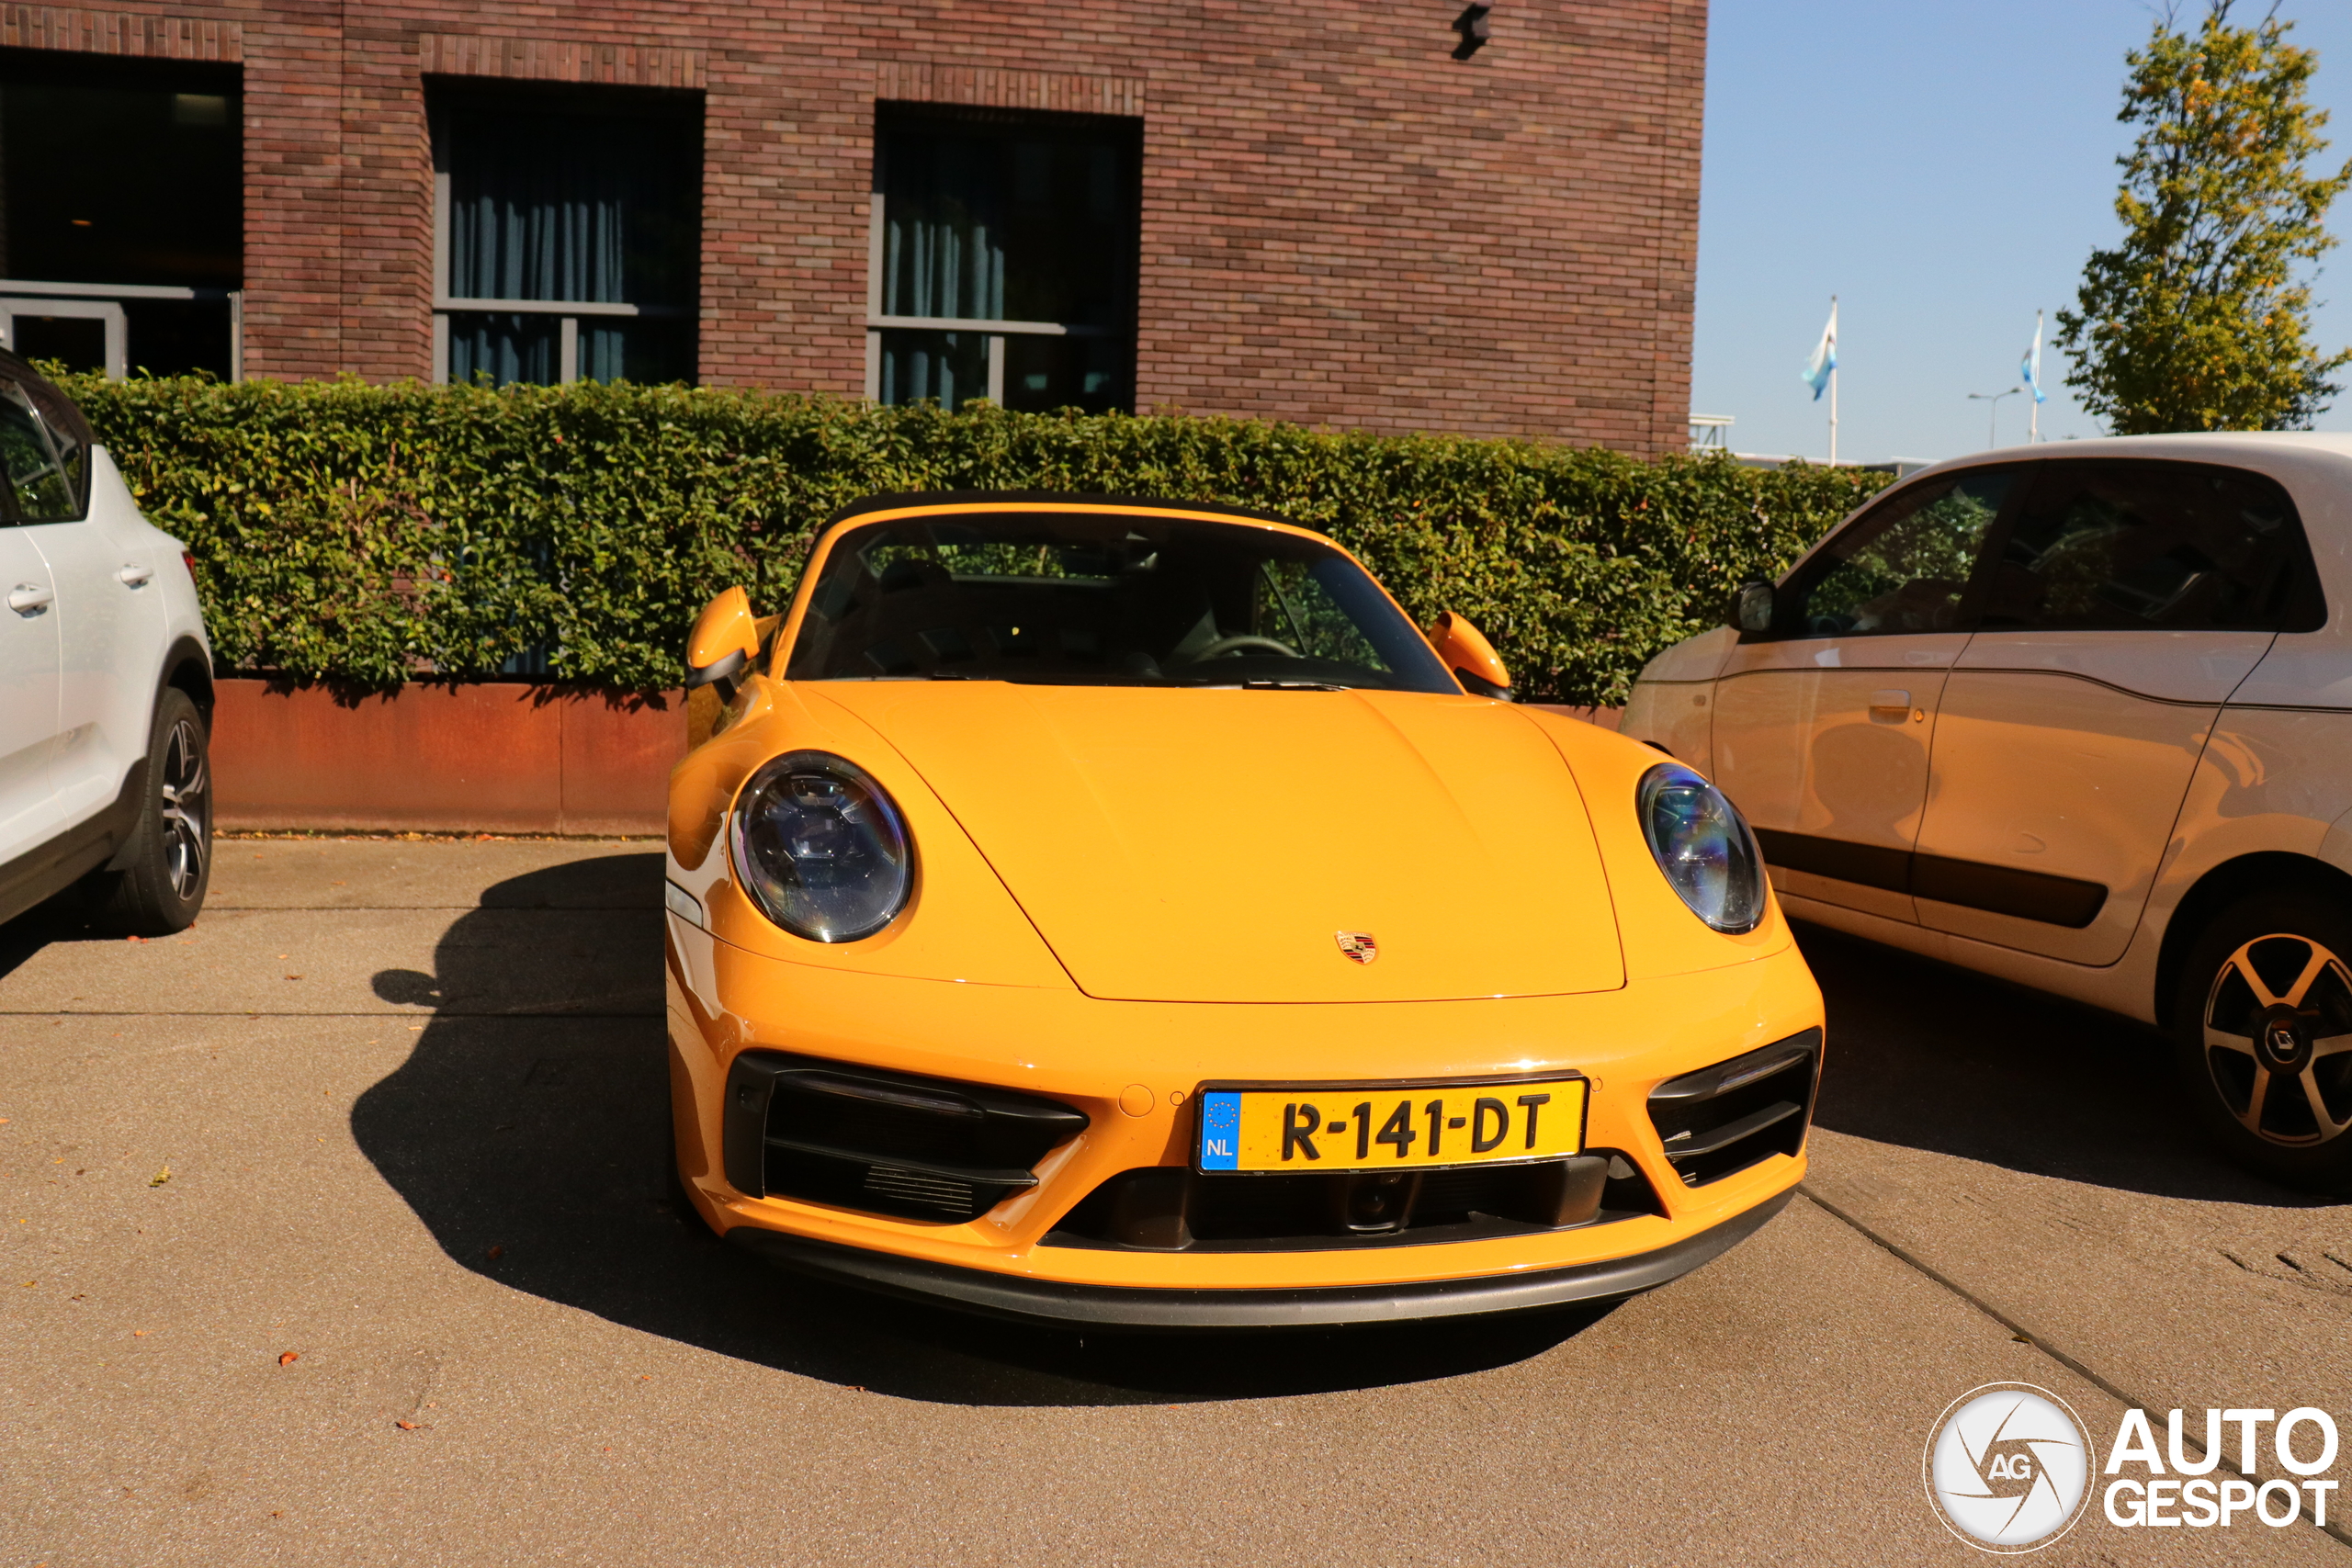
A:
[(1932, 1056), (529, 1130), (59, 919)]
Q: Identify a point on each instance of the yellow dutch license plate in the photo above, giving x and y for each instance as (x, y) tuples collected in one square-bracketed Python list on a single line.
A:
[(1389, 1126)]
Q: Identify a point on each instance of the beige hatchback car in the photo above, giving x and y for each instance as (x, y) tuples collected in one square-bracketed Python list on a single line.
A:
[(2078, 715)]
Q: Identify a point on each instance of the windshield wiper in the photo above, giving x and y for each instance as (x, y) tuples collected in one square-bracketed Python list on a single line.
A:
[(1293, 686)]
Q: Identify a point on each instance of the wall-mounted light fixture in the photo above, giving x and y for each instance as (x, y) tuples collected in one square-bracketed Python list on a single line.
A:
[(1473, 27)]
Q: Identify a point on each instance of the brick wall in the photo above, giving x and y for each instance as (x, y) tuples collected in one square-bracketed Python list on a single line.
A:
[(1341, 224)]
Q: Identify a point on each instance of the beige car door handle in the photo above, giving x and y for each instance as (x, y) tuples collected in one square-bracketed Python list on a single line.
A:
[(27, 598), (1891, 700), (134, 576)]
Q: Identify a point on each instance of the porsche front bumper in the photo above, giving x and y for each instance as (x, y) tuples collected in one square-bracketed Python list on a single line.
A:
[(1135, 1071)]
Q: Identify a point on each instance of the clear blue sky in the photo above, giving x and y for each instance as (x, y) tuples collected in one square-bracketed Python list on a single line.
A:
[(1944, 168)]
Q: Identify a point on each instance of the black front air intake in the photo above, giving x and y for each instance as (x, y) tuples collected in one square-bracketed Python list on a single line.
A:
[(1172, 1209), (1721, 1120), (886, 1143)]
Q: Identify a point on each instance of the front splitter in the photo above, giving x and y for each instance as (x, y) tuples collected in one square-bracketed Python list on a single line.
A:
[(1055, 1303)]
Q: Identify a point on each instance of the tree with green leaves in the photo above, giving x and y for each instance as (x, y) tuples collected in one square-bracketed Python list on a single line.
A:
[(2197, 320)]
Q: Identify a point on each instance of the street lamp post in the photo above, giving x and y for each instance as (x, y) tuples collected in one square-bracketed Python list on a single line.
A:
[(1993, 426)]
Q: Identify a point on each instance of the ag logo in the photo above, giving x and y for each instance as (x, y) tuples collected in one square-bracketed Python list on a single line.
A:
[(2007, 1467), (1357, 945)]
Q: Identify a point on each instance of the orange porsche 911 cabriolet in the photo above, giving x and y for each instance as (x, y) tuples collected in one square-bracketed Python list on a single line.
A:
[(1116, 912)]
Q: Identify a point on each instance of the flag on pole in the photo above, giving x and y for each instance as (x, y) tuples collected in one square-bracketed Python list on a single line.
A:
[(2031, 365), (1824, 357)]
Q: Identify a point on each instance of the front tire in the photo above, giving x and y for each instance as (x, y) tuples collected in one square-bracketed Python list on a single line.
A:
[(2264, 1032), (160, 878)]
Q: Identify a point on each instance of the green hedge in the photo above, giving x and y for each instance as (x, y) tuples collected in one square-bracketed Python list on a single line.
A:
[(373, 534)]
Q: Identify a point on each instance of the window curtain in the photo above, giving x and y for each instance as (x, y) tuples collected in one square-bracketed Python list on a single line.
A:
[(952, 367), (943, 213), (540, 210)]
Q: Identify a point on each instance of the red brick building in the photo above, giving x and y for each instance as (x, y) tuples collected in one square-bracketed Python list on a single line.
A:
[(1316, 210)]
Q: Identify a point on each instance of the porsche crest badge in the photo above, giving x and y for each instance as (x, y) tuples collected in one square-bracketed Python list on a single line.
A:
[(1357, 945)]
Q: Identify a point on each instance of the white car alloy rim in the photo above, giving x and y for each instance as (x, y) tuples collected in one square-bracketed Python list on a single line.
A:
[(187, 816), (2279, 1040)]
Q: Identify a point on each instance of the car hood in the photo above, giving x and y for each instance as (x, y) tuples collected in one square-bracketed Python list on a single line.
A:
[(1204, 845)]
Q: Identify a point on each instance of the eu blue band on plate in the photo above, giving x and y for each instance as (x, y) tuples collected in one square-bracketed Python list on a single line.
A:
[(1220, 1132)]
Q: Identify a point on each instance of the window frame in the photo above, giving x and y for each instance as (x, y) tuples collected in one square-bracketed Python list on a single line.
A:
[(440, 90), (112, 304), (995, 330)]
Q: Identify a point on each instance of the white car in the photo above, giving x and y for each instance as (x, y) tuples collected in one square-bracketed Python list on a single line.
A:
[(2079, 716), (106, 682)]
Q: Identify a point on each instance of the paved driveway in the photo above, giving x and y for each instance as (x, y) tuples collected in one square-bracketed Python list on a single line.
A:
[(398, 1109)]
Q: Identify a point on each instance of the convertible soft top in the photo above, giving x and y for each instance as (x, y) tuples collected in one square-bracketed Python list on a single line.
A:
[(994, 498)]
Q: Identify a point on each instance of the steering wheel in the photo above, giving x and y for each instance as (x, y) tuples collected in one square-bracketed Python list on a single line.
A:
[(1226, 645)]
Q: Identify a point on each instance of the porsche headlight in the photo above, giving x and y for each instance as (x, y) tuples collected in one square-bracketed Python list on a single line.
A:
[(820, 848), (1704, 847)]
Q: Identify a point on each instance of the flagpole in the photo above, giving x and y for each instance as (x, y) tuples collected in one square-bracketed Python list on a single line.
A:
[(2033, 420), (1833, 382)]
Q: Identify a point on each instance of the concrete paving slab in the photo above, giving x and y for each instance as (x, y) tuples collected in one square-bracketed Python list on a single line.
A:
[(458, 1218), (562, 928), (433, 874), (1989, 1130)]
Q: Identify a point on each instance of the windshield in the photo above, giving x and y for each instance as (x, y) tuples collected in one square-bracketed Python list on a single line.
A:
[(1090, 600)]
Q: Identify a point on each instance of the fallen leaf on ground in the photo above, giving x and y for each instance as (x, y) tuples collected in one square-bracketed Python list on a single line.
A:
[(496, 1253), (134, 938), (159, 1177), (139, 1334), (288, 1358), (293, 977), (405, 1426)]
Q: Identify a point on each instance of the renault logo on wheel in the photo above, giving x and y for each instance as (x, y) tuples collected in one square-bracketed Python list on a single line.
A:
[(2007, 1467), (1357, 945)]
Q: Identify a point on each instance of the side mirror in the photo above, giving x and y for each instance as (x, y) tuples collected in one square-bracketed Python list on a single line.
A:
[(726, 639), (1751, 608), (1470, 656)]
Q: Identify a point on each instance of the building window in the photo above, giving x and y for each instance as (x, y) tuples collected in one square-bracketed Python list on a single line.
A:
[(1001, 263), (567, 232), (121, 212)]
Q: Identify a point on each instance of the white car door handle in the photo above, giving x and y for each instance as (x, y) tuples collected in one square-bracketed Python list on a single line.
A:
[(29, 597), (132, 576), (1890, 699)]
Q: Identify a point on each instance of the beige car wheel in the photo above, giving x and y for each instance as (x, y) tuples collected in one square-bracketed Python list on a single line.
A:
[(2264, 1030)]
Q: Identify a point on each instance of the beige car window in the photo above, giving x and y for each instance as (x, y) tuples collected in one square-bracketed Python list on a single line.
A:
[(2135, 544), (1904, 566)]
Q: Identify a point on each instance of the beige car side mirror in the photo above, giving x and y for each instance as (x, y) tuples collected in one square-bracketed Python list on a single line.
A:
[(1471, 658)]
